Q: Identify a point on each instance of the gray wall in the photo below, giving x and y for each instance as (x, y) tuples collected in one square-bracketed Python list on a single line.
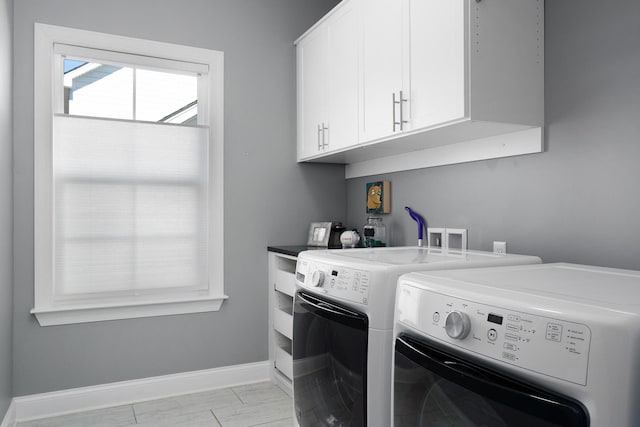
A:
[(269, 199), (579, 200), (6, 172)]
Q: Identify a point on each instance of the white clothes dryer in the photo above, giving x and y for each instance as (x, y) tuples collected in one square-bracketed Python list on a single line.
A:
[(540, 345), (342, 327)]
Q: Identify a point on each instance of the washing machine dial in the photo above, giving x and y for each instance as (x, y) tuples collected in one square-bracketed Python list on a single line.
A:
[(457, 325), (317, 278)]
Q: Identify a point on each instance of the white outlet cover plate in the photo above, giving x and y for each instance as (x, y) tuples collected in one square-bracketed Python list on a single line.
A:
[(499, 247)]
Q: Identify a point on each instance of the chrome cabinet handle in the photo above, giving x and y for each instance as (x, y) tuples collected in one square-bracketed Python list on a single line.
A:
[(324, 131), (394, 102), (319, 131), (400, 102), (402, 120)]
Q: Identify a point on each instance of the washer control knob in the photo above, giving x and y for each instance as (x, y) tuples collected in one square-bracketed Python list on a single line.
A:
[(457, 325), (317, 278)]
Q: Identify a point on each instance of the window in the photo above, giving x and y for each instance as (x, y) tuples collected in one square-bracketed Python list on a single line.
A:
[(128, 185)]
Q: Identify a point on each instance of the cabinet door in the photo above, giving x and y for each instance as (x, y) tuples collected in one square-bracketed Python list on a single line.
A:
[(342, 103), (312, 91), (382, 67), (436, 88)]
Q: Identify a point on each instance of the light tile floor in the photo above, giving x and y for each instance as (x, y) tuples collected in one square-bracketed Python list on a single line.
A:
[(262, 404)]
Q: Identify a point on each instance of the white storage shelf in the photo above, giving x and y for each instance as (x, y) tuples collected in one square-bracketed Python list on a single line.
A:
[(282, 269), (283, 316), (284, 361), (285, 281)]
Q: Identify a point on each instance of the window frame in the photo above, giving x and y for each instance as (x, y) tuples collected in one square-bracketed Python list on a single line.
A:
[(47, 311)]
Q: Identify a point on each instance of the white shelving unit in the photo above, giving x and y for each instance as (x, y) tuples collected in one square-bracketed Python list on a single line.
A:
[(282, 281)]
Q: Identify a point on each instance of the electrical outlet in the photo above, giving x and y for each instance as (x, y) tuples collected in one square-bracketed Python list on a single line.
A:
[(499, 248)]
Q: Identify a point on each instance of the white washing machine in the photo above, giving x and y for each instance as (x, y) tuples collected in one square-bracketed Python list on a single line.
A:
[(543, 345), (342, 327)]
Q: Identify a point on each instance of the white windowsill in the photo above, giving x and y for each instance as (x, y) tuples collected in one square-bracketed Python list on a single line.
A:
[(98, 313)]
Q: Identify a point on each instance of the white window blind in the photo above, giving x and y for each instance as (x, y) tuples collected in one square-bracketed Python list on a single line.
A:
[(128, 177), (131, 208)]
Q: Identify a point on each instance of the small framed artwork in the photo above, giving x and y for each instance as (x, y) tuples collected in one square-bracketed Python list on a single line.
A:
[(379, 197), (319, 234)]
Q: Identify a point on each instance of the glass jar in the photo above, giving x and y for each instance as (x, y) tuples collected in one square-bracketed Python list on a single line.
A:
[(374, 233)]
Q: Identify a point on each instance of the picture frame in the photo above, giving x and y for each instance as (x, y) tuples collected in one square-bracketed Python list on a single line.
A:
[(378, 197), (319, 234)]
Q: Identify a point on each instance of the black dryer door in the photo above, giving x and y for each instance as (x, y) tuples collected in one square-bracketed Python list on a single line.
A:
[(329, 363), (433, 387)]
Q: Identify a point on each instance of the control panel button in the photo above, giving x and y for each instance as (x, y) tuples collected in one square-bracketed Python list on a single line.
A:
[(512, 328), (510, 346), (554, 332), (508, 356), (511, 337), (492, 334), (457, 325), (436, 317)]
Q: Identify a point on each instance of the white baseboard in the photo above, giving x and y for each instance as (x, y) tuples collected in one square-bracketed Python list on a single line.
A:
[(9, 419), (127, 392)]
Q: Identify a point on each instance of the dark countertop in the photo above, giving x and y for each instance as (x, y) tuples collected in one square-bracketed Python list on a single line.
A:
[(292, 250)]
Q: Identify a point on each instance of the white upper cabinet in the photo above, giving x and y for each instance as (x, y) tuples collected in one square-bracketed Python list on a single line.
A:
[(382, 59), (413, 65), (342, 102), (312, 93), (328, 70), (435, 81), (434, 77)]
